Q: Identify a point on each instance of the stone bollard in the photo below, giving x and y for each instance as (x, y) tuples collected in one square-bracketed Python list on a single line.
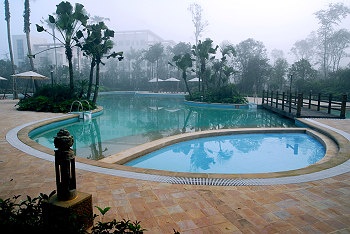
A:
[(68, 208), (65, 166)]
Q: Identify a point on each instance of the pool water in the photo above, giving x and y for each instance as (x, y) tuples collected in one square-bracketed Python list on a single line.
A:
[(241, 153), (129, 120)]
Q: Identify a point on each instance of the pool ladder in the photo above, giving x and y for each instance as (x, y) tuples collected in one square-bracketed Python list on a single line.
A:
[(85, 115)]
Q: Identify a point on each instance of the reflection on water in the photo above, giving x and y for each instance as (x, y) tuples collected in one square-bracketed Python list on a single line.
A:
[(130, 120), (241, 153)]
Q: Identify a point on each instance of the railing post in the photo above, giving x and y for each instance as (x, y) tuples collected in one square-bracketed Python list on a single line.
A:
[(310, 97), (343, 106), (329, 103), (290, 102), (263, 97), (283, 96), (277, 99), (271, 98), (319, 102), (267, 97), (300, 104)]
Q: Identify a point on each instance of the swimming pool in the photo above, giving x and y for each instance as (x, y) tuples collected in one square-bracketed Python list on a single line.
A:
[(236, 154), (129, 120)]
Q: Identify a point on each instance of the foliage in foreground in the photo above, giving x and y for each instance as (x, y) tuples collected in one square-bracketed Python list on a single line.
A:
[(26, 216), (56, 99)]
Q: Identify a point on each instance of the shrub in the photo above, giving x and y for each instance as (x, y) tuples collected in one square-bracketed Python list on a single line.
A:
[(56, 99), (226, 94), (27, 217)]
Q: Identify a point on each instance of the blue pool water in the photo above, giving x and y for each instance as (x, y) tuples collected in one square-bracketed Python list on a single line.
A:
[(241, 153), (129, 120)]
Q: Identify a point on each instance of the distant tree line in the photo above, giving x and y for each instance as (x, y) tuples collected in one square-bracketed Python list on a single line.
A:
[(245, 65)]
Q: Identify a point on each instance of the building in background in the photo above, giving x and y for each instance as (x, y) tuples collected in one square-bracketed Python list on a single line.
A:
[(137, 40), (45, 53)]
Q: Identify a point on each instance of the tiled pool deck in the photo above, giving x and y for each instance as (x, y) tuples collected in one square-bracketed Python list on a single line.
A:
[(316, 206)]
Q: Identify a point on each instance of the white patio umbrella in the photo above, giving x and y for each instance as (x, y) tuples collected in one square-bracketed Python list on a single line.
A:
[(172, 79), (196, 79), (155, 80), (30, 75), (2, 78)]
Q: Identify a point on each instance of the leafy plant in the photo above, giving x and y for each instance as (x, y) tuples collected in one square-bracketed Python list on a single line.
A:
[(26, 216), (56, 99), (114, 226), (23, 216), (226, 94)]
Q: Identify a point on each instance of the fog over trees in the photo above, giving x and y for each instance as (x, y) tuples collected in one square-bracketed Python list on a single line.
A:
[(318, 61)]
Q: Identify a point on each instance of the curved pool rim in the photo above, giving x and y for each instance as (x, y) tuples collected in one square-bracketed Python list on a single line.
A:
[(337, 160)]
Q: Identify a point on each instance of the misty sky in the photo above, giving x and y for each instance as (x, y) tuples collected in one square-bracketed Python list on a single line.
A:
[(276, 23)]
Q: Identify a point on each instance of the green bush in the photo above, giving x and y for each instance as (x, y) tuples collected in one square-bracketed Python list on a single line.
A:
[(26, 216), (56, 99), (226, 94)]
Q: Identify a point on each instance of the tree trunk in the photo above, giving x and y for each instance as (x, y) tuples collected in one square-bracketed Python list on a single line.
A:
[(97, 83), (91, 77), (186, 84), (70, 66), (7, 18)]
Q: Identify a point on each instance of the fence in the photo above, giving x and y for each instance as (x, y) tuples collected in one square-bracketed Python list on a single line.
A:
[(329, 104)]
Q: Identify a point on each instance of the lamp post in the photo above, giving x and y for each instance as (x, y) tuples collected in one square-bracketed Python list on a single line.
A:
[(290, 85)]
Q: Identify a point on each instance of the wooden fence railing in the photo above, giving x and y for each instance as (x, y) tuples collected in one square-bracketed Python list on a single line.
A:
[(317, 102)]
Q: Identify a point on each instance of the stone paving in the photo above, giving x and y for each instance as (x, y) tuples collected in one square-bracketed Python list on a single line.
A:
[(321, 206)]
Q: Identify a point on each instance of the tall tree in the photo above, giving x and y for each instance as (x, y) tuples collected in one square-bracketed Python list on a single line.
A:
[(339, 42), (252, 64), (184, 62), (199, 27), (153, 55), (204, 52), (303, 73), (181, 48), (222, 70), (277, 78), (198, 21), (68, 22), (305, 49), (97, 45), (52, 27), (7, 18), (329, 18), (26, 29), (133, 60)]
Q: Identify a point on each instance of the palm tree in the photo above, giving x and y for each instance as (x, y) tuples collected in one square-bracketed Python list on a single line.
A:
[(202, 52), (153, 54), (7, 18), (68, 22), (97, 45), (26, 17), (183, 62)]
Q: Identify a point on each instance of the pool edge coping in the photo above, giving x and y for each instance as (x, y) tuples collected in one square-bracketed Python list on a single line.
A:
[(19, 138)]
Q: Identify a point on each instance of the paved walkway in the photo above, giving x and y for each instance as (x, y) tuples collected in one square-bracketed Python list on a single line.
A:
[(321, 206)]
